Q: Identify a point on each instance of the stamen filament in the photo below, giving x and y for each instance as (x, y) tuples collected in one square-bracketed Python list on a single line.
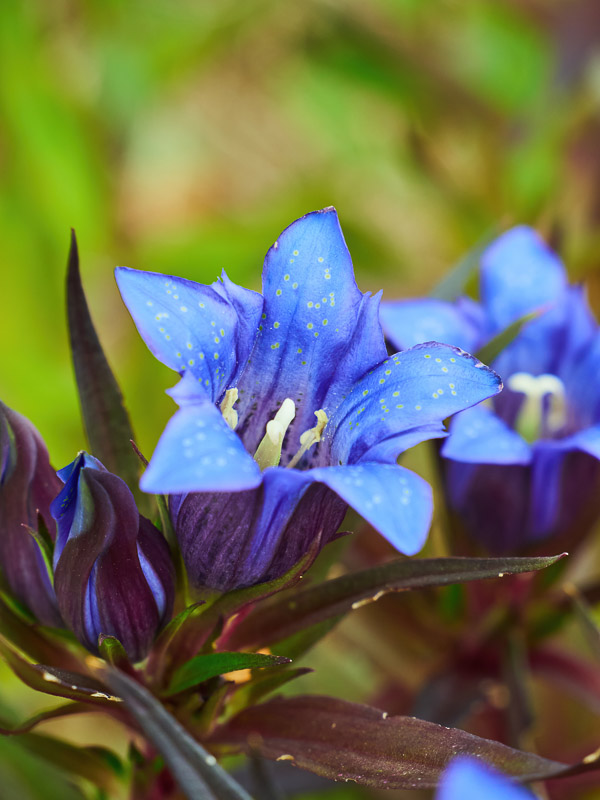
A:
[(310, 437)]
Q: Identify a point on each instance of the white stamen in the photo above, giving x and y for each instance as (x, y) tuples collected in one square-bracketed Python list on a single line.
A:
[(530, 421), (268, 453)]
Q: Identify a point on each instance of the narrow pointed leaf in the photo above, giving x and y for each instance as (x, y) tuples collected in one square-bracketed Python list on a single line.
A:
[(194, 769), (283, 617), (105, 419), (32, 640), (80, 761), (58, 682), (351, 742), (67, 710), (194, 627), (202, 668), (492, 349)]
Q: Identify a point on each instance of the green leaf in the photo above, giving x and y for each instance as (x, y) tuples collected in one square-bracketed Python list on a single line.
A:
[(32, 640), (490, 351), (105, 419), (113, 651), (58, 682), (283, 617), (192, 766), (202, 668), (353, 742), (194, 627), (79, 761), (67, 710)]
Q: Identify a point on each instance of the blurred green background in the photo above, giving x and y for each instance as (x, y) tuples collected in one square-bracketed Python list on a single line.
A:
[(184, 136)]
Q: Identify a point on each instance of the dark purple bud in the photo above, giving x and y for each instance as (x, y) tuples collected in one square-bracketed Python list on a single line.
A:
[(112, 569), (28, 484)]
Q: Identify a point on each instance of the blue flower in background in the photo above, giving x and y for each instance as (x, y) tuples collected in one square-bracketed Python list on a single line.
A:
[(112, 568), (467, 779), (290, 408), (532, 453)]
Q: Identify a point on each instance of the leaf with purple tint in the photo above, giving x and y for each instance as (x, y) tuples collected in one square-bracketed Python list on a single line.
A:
[(105, 418), (352, 742), (283, 617)]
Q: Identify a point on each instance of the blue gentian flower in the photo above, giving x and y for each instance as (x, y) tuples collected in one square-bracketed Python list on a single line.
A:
[(290, 409), (468, 779), (28, 484), (112, 569), (532, 453)]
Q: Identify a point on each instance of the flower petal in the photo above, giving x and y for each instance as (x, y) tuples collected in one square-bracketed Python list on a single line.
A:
[(392, 499), (417, 388), (198, 451), (410, 322), (208, 330), (314, 317), (467, 779), (587, 440), (519, 273), (478, 436)]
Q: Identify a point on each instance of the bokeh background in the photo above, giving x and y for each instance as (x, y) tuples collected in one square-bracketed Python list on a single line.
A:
[(184, 136)]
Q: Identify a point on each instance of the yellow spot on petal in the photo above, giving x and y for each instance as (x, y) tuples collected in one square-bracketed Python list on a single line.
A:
[(310, 326), (286, 277), (275, 324), (275, 346), (278, 292)]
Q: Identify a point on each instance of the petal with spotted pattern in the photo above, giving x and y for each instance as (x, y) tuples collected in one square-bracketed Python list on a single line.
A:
[(208, 330), (414, 389), (198, 451)]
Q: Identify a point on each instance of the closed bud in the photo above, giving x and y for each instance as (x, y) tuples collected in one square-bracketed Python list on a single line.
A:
[(28, 485), (112, 569)]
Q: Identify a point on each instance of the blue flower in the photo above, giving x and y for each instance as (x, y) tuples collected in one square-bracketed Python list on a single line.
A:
[(290, 409), (468, 779), (532, 453), (28, 485), (112, 569)]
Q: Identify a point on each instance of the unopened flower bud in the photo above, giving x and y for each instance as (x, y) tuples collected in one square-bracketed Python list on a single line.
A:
[(27, 486), (112, 569)]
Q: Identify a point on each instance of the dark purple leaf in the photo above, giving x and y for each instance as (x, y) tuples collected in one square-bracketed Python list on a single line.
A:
[(351, 742), (283, 617), (58, 682), (192, 766), (105, 418)]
